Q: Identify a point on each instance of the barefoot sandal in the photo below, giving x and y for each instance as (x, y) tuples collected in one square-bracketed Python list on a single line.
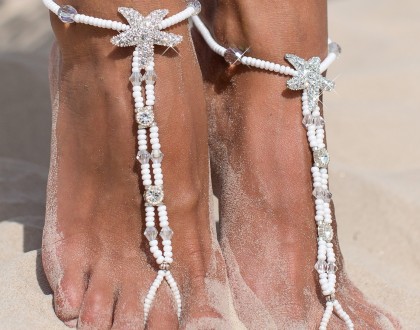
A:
[(307, 76), (143, 33)]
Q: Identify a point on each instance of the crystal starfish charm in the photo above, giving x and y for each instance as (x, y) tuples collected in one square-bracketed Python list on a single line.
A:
[(145, 32), (308, 77)]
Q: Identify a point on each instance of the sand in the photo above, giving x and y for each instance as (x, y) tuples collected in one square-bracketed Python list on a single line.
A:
[(372, 122)]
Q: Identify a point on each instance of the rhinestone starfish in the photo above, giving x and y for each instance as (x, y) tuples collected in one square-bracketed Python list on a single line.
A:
[(145, 32), (308, 77)]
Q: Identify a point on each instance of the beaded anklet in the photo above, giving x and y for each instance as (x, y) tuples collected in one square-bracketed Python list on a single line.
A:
[(307, 76), (143, 33)]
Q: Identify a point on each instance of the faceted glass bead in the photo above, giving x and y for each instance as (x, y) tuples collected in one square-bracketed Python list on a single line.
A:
[(308, 120), (319, 122), (145, 117), (166, 233), (151, 233), (233, 55), (150, 77), (334, 48), (332, 268), (157, 156), (143, 157), (196, 5), (154, 195), (325, 231), (321, 266), (66, 14), (324, 194), (136, 78), (321, 157)]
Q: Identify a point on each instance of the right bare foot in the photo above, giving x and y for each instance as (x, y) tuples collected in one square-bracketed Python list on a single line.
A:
[(94, 253)]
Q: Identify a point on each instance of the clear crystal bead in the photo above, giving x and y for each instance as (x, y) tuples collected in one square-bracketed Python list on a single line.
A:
[(151, 233), (143, 157), (150, 77), (157, 156), (325, 231), (233, 56), (145, 117), (334, 48), (324, 194), (154, 195), (319, 122), (196, 5), (332, 268), (66, 14), (166, 233), (135, 78), (321, 266), (308, 120), (321, 157)]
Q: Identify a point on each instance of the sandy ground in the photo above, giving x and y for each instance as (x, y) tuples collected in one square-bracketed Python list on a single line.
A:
[(372, 122)]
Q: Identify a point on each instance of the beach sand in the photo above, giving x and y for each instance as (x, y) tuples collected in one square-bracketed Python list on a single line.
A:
[(372, 125)]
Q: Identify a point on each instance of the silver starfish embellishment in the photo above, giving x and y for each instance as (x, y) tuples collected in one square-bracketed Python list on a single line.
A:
[(144, 32), (308, 77)]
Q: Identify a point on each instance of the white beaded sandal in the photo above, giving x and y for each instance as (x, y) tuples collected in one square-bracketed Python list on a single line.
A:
[(143, 33), (308, 77)]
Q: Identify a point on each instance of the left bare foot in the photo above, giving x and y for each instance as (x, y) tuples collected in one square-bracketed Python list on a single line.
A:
[(261, 170)]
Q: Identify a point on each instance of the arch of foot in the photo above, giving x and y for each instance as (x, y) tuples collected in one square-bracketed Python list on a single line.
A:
[(143, 33), (306, 77)]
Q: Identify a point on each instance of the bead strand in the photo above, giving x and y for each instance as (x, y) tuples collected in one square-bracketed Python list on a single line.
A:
[(236, 56), (325, 265), (68, 14)]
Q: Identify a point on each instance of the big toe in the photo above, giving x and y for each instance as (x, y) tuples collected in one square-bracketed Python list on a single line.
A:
[(68, 297)]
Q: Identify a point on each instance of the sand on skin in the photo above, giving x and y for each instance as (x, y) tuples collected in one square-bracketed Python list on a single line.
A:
[(372, 131)]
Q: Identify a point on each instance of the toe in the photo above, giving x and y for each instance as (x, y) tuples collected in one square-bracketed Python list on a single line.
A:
[(98, 306), (68, 297), (129, 311)]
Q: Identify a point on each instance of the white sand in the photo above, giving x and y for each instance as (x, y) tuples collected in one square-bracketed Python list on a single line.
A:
[(373, 138)]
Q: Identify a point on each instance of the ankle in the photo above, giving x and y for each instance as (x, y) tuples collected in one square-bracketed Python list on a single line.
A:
[(261, 25)]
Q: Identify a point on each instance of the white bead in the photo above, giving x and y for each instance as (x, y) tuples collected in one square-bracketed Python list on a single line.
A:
[(164, 223)]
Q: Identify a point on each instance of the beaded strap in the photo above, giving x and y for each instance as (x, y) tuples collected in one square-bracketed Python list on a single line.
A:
[(144, 33), (306, 76)]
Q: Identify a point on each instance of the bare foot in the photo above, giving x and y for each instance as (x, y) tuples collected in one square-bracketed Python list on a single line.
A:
[(94, 253), (261, 169)]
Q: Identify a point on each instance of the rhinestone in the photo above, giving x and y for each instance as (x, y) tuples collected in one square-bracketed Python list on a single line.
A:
[(321, 266), (144, 33), (332, 268), (66, 14), (325, 231), (151, 233), (309, 78), (324, 194), (143, 157), (157, 156), (196, 5), (321, 157), (145, 117), (136, 78), (166, 233), (233, 56), (150, 77), (334, 48), (154, 195)]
